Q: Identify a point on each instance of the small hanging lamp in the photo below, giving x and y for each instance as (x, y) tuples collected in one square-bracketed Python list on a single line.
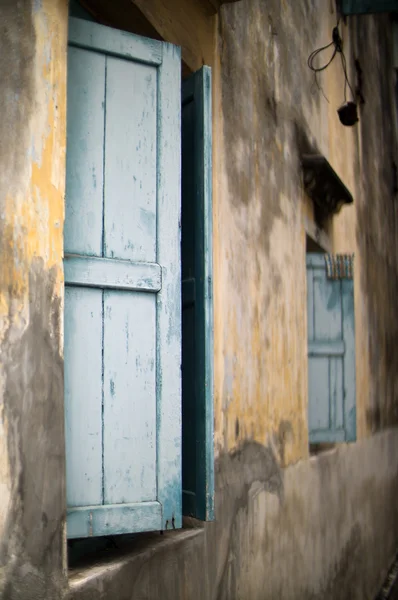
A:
[(348, 114), (348, 111)]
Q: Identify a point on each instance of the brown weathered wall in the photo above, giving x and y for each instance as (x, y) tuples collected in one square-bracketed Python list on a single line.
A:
[(376, 220), (260, 363), (261, 297), (32, 153), (269, 106)]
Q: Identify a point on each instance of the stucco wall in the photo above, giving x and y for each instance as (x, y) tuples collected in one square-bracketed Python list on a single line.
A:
[(376, 224), (261, 363), (32, 178), (314, 531), (286, 526)]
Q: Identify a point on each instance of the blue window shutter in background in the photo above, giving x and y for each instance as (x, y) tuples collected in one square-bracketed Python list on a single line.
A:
[(122, 283), (331, 355), (197, 324)]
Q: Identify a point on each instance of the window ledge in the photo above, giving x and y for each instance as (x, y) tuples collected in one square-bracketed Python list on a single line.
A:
[(142, 547), (323, 450)]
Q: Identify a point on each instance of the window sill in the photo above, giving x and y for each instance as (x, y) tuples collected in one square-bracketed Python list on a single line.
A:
[(323, 449), (133, 548)]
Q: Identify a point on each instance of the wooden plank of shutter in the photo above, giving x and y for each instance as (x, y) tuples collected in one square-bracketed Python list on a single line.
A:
[(197, 344)]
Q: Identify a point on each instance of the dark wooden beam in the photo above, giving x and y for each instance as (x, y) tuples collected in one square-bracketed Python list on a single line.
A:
[(125, 15), (120, 14)]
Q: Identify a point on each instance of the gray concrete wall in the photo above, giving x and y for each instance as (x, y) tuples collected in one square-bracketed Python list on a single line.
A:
[(321, 529), (32, 183), (377, 218)]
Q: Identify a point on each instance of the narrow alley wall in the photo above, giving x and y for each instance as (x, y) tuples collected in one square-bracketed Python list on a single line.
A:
[(32, 180)]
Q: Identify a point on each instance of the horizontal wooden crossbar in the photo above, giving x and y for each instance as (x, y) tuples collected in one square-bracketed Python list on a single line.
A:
[(87, 271)]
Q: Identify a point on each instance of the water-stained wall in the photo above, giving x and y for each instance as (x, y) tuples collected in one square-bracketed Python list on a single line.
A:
[(263, 50), (316, 530), (32, 181), (287, 526), (376, 223)]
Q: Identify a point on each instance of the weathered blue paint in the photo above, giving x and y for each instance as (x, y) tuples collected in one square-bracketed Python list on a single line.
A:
[(83, 395), (129, 397), (331, 355), (93, 521), (122, 277), (361, 7), (350, 420), (130, 165), (197, 345), (91, 36), (110, 273), (321, 348), (168, 255), (85, 157)]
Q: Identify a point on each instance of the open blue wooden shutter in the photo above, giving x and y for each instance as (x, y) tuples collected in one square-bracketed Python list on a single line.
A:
[(122, 283), (331, 355), (197, 324), (360, 7)]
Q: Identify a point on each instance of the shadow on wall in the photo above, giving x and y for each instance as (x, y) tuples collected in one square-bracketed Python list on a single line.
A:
[(377, 217)]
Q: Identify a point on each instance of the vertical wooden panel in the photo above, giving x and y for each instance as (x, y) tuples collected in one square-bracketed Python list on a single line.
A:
[(206, 475), (318, 384), (350, 419), (83, 395), (169, 298), (84, 159), (129, 397), (191, 378), (337, 392), (190, 398), (310, 304), (197, 342), (327, 307), (130, 161)]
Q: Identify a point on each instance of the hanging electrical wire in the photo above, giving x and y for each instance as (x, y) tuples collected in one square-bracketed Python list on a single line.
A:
[(347, 112)]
